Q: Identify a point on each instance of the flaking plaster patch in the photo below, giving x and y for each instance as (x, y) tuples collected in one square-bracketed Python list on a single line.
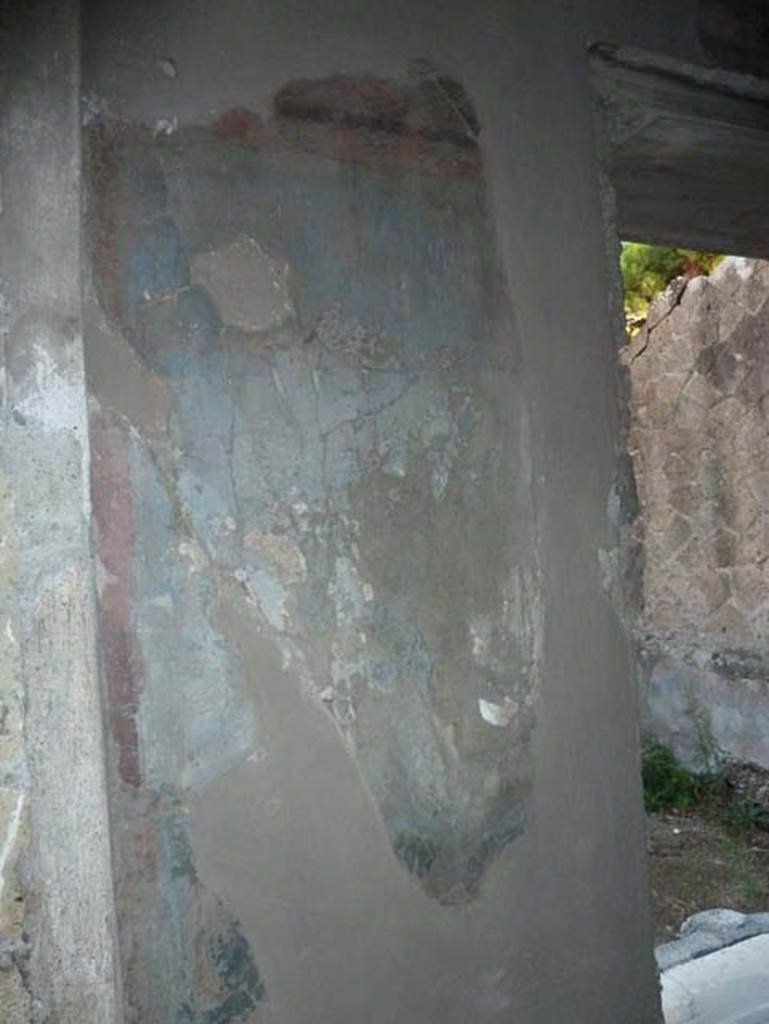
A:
[(283, 554), (265, 592), (249, 287), (193, 554), (341, 447)]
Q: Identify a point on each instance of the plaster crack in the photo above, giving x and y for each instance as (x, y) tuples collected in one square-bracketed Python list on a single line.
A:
[(681, 284), (362, 417)]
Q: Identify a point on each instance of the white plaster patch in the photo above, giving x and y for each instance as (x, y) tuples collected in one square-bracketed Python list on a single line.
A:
[(9, 843), (492, 990), (500, 715), (103, 576), (349, 593), (480, 636), (5, 313), (267, 594), (93, 108), (167, 67), (249, 287), (441, 474), (191, 552), (396, 461), (165, 126), (522, 615), (301, 516), (53, 400)]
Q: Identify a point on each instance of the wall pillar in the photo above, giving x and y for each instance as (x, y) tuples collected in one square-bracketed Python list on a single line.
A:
[(55, 875)]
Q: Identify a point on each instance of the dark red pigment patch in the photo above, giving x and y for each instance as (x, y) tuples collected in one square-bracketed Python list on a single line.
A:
[(433, 106), (428, 121), (123, 668), (358, 102), (238, 125)]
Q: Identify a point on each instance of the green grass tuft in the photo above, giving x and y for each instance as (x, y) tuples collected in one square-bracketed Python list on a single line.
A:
[(668, 786)]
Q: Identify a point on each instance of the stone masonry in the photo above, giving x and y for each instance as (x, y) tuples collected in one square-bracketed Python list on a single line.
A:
[(699, 374)]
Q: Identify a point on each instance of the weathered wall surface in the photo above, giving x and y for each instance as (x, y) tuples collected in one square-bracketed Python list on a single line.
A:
[(57, 959), (313, 503), (700, 381), (368, 754)]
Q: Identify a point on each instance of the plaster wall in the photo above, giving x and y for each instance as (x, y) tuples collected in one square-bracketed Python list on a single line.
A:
[(373, 733)]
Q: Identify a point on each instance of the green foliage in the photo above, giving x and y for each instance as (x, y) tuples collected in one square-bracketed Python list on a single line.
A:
[(752, 889), (745, 815), (669, 786), (648, 269), (710, 757)]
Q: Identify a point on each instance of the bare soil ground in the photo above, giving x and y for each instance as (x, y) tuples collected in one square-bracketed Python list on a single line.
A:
[(714, 855), (697, 863)]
